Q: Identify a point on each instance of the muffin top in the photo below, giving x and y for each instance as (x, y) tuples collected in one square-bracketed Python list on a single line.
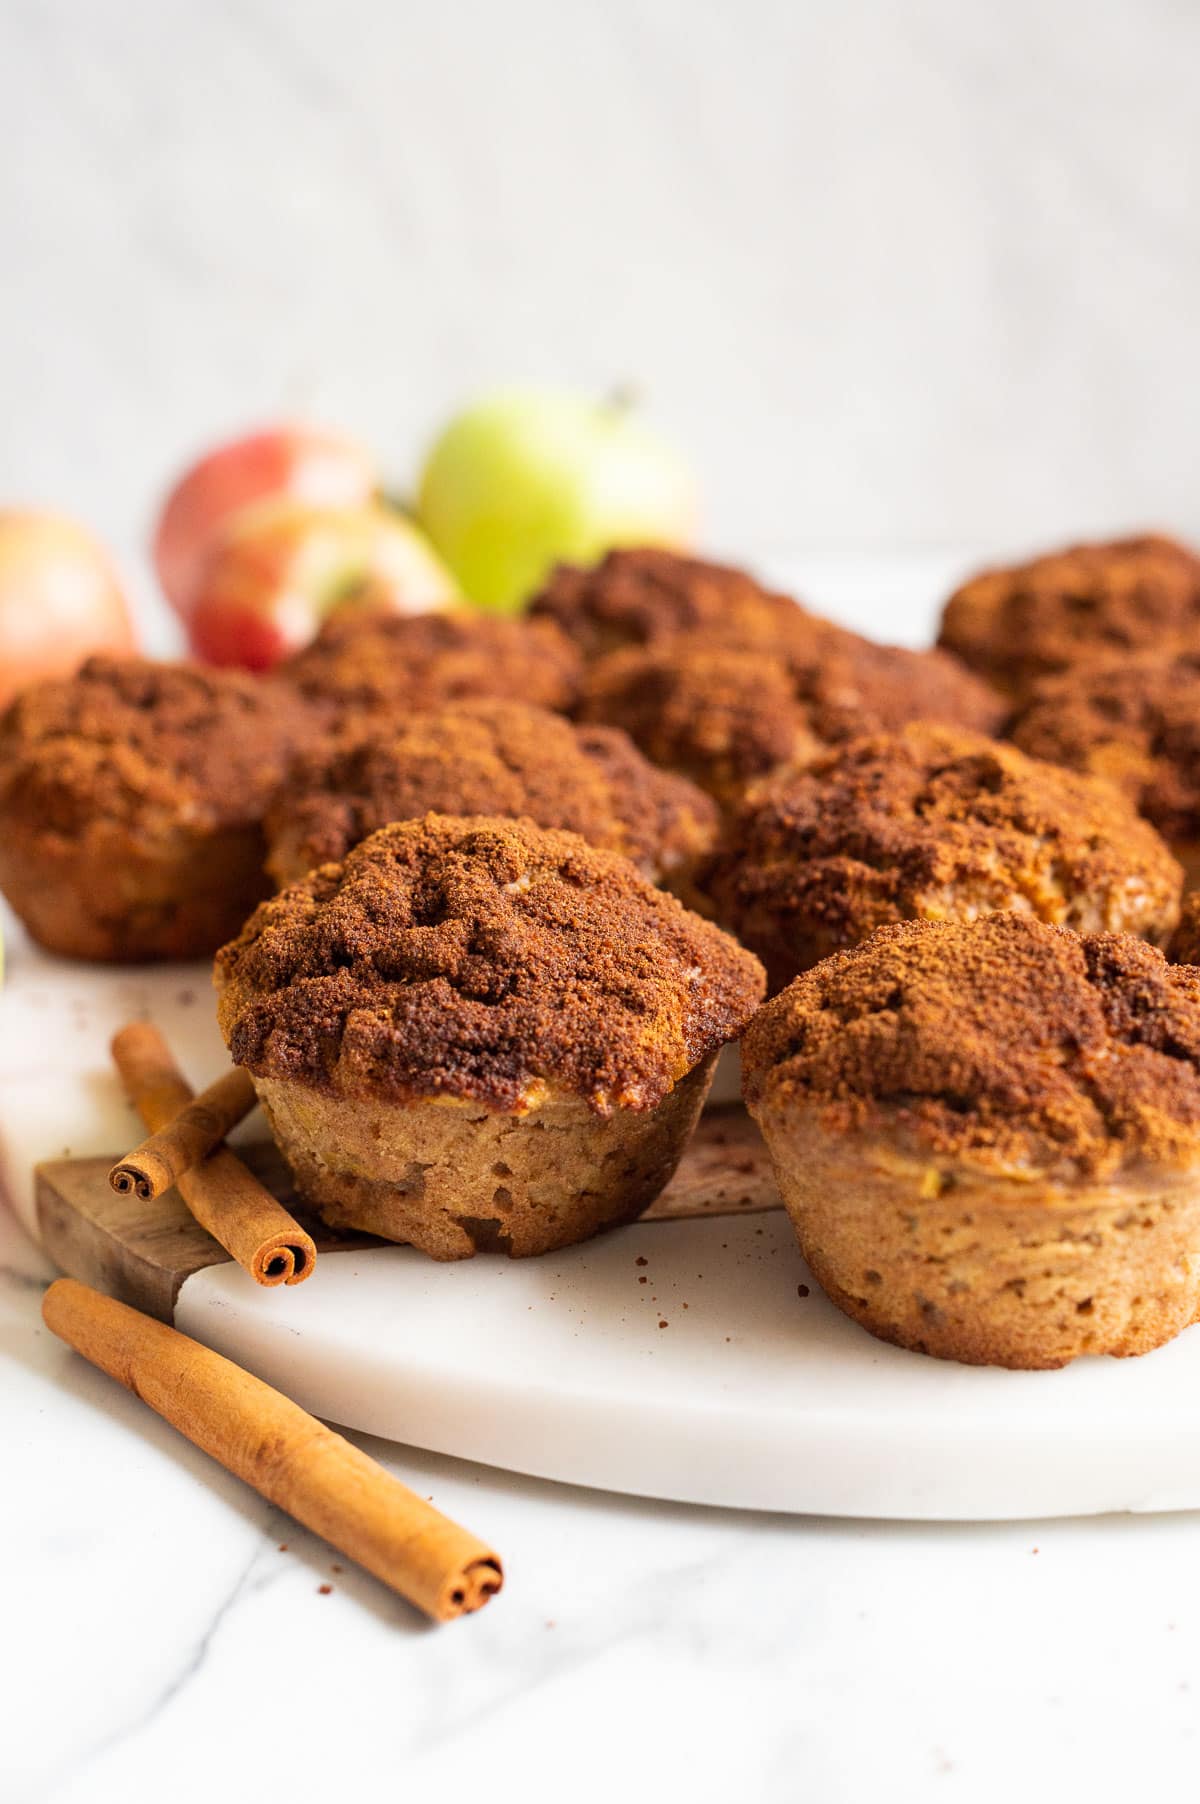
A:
[(1000, 1046), (489, 757), (724, 716), (372, 664), (930, 823), (634, 597), (482, 959), (1029, 620), (1135, 721), (133, 742)]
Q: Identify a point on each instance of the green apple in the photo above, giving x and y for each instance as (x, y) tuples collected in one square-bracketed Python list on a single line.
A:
[(527, 477)]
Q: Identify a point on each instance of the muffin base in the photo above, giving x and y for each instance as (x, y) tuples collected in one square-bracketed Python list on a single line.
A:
[(121, 899), (453, 1178), (992, 1272)]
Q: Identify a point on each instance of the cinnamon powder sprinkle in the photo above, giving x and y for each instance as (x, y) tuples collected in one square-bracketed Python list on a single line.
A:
[(931, 821), (1133, 721), (1003, 1044), (488, 757), (724, 714), (472, 957), (373, 664), (636, 596), (130, 739), (1023, 621)]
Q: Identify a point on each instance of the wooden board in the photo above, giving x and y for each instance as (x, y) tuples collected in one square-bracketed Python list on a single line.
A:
[(141, 1252)]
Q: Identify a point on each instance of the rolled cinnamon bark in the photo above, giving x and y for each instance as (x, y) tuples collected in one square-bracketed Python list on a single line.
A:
[(285, 1454), (196, 1131), (226, 1198)]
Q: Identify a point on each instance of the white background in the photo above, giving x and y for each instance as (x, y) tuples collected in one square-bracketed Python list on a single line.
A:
[(904, 277), (907, 274)]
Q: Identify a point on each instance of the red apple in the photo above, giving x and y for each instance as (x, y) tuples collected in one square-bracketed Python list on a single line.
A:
[(324, 469), (59, 599), (278, 569)]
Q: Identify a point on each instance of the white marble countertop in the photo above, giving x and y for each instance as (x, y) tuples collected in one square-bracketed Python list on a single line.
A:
[(159, 1641), (166, 1631), (900, 276)]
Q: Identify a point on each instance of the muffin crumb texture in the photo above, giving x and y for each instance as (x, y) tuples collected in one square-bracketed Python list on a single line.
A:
[(727, 715), (932, 823), (988, 1137), (637, 596), (1134, 721), (131, 803), (364, 666), (484, 960), (1023, 621), (489, 757)]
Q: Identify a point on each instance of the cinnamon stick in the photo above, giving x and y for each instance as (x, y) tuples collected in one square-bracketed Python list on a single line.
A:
[(190, 1136), (255, 1432), (223, 1195)]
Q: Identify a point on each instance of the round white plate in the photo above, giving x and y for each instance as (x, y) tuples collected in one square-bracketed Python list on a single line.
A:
[(751, 1394)]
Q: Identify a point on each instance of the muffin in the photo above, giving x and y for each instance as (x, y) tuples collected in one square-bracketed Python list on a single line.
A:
[(1136, 722), (987, 1135), (367, 667), (477, 1033), (1024, 621), (132, 797), (635, 597), (931, 823), (725, 716), (490, 757)]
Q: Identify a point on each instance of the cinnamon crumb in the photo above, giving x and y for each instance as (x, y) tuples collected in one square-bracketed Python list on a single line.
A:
[(1001, 1041), (1028, 620), (471, 956)]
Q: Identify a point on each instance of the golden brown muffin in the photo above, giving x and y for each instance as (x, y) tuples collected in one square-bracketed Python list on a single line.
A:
[(725, 716), (490, 757), (131, 804), (931, 823), (635, 597), (478, 1033), (1026, 621), (1134, 721), (987, 1135), (366, 667)]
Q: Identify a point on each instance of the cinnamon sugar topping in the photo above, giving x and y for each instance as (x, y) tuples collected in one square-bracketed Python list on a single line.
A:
[(1003, 1045), (482, 959), (1028, 620), (489, 757), (128, 740), (371, 664), (931, 822)]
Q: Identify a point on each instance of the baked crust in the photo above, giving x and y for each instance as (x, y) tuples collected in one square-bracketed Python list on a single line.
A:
[(454, 1179), (637, 596), (724, 716), (131, 805), (987, 1136), (1000, 1046), (371, 665), (1135, 722), (931, 823), (489, 757), (1019, 622), (485, 960)]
